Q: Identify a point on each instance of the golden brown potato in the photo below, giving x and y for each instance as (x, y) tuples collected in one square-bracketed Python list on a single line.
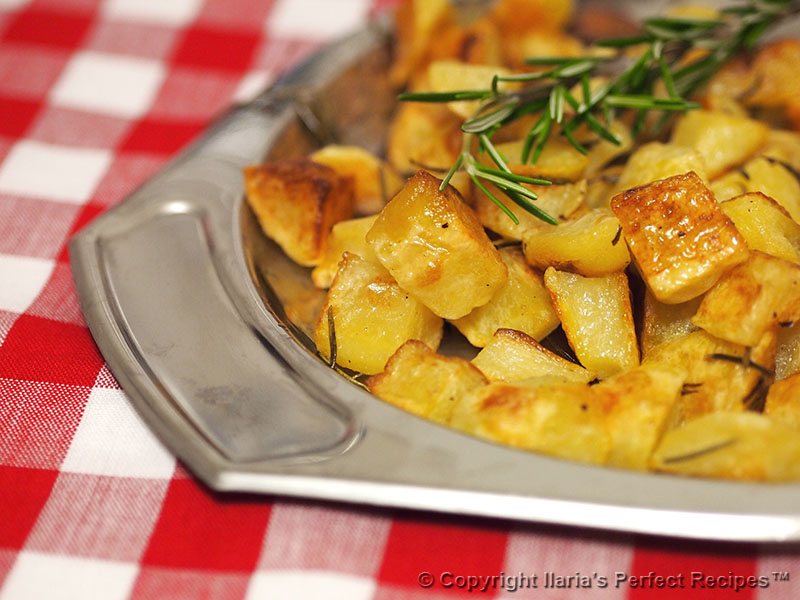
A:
[(559, 160), (774, 179), (666, 322), (679, 238), (346, 236), (558, 201), (765, 225), (513, 356), (723, 140), (655, 161), (417, 22), (432, 243), (597, 318), (517, 46), (529, 15), (372, 317), (639, 405), (555, 419), (720, 375), (374, 181), (783, 401), (297, 202), (591, 245), (427, 384), (783, 146), (733, 446), (423, 136), (750, 299), (604, 151), (523, 303), (453, 75), (477, 43)]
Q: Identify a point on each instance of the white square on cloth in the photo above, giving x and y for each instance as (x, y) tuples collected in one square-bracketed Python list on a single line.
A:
[(319, 19), (163, 12), (12, 4), (36, 576), (113, 440), (121, 86), (57, 173), (309, 585), (23, 279)]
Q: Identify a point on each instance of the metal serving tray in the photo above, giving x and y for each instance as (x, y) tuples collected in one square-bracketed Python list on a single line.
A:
[(205, 324)]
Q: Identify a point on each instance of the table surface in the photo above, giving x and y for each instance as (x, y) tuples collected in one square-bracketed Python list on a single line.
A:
[(94, 98)]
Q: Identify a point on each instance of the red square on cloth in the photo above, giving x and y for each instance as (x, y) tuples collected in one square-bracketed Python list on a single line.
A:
[(415, 547), (713, 560), (29, 71), (42, 350), (199, 529), (227, 50), (161, 136), (48, 28), (17, 115), (38, 421), (25, 492)]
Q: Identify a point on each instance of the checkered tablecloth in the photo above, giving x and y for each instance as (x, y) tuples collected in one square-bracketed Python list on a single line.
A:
[(94, 97)]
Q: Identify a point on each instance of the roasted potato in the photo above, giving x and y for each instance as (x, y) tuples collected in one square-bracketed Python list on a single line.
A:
[(346, 236), (513, 356), (433, 244), (297, 201), (523, 303), (597, 318), (372, 317), (427, 384), (679, 238)]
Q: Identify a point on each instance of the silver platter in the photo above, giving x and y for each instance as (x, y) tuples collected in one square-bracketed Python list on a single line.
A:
[(205, 324)]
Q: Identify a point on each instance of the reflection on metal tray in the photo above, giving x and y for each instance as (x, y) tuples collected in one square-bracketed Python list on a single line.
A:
[(209, 337)]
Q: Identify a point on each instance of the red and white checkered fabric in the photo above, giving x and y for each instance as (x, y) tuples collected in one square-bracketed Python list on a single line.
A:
[(94, 97)]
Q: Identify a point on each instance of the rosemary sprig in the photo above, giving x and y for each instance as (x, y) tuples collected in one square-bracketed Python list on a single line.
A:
[(630, 88)]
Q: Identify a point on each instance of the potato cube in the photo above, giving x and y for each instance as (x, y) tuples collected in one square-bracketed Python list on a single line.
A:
[(559, 160), (558, 201), (750, 299), (783, 401), (476, 43), (639, 406), (372, 317), (374, 181), (591, 245), (453, 75), (555, 419), (427, 384), (532, 15), (745, 446), (666, 322), (417, 22), (297, 202), (679, 238), (765, 225), (783, 146), (655, 161), (720, 375), (723, 140), (513, 356), (433, 245), (522, 304), (776, 180), (422, 134), (346, 236), (597, 318), (605, 151)]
